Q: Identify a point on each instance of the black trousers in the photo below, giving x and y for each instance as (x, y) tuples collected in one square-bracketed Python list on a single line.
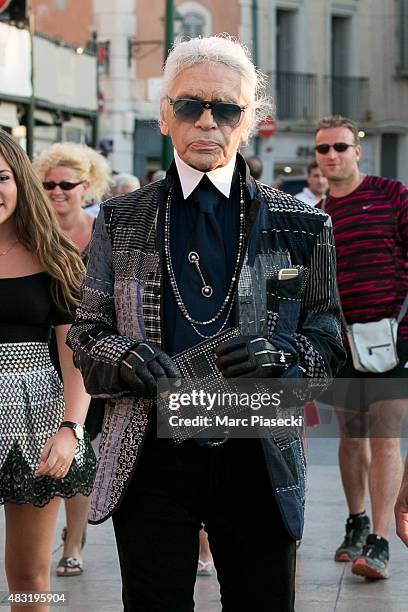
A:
[(174, 490)]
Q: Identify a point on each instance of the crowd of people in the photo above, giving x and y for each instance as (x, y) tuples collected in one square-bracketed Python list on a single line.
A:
[(202, 269)]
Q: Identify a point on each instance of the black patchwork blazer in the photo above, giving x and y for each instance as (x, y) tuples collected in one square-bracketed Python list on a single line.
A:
[(122, 304)]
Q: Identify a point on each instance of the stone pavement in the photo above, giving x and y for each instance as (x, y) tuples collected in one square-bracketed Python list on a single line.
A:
[(321, 584)]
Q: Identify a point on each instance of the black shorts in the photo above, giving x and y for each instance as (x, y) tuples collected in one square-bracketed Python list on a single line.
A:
[(354, 390)]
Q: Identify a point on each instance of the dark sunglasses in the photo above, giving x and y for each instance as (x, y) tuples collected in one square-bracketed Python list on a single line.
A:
[(224, 113), (339, 147), (64, 185)]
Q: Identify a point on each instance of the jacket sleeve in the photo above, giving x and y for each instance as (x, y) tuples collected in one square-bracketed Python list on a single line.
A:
[(97, 346), (318, 337)]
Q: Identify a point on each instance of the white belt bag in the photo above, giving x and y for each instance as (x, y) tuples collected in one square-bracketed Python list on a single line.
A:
[(374, 345)]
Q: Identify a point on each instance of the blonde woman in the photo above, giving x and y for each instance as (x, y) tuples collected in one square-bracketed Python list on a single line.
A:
[(43, 452), (72, 175)]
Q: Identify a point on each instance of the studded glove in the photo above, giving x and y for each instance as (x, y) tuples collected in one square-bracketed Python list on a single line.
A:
[(251, 357), (144, 365)]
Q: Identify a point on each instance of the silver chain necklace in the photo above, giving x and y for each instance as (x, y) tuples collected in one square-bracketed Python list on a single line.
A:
[(9, 249), (230, 296)]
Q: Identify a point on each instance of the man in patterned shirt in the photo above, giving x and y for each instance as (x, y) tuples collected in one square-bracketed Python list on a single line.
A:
[(370, 225)]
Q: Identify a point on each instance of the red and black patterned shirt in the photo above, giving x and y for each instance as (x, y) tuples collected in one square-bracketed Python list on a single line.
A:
[(370, 228)]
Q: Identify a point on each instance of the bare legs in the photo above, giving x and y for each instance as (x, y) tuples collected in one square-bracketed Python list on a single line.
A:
[(30, 535), (76, 510), (205, 562), (205, 552), (374, 464)]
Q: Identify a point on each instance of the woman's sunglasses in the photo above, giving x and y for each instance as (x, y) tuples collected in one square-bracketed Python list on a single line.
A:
[(64, 185), (339, 147), (224, 113)]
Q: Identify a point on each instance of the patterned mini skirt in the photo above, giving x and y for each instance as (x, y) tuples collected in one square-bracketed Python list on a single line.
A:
[(31, 410)]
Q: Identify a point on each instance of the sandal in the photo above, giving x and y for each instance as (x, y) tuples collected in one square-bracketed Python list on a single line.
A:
[(205, 568), (74, 565), (64, 536)]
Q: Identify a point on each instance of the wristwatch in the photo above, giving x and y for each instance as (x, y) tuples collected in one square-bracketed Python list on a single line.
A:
[(76, 428)]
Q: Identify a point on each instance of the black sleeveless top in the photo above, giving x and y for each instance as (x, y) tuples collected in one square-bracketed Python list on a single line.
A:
[(27, 310)]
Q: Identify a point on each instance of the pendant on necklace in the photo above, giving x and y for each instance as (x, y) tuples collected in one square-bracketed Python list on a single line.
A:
[(9, 249), (206, 290)]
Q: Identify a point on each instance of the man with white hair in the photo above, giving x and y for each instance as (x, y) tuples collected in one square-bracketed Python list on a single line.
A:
[(172, 267), (125, 183)]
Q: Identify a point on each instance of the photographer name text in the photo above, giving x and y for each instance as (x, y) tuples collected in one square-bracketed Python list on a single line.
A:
[(254, 420)]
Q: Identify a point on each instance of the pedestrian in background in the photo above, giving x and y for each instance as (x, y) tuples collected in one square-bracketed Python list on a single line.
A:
[(125, 183), (370, 225), (73, 174), (255, 166), (44, 454), (317, 186), (158, 175)]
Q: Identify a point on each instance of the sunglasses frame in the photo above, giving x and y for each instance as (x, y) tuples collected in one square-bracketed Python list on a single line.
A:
[(334, 146), (207, 104), (60, 185)]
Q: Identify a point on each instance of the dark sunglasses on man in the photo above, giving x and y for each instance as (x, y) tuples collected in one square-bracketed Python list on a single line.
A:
[(64, 185), (224, 113), (339, 147)]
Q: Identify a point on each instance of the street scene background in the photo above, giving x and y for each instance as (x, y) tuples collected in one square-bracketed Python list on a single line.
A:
[(88, 71)]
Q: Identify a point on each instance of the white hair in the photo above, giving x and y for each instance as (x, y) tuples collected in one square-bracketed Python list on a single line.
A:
[(125, 180), (159, 175), (222, 49)]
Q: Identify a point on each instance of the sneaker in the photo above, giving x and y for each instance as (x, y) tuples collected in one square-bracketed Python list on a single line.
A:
[(357, 530), (373, 562)]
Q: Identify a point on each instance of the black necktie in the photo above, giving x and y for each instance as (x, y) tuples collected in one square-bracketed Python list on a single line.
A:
[(205, 254)]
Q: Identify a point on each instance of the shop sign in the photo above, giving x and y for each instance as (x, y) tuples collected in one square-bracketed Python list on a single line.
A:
[(266, 127)]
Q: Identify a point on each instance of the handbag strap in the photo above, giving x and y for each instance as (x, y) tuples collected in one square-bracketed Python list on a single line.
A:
[(341, 311), (403, 310)]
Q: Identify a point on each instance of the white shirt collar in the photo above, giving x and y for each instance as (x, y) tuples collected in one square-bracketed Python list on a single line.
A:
[(189, 177)]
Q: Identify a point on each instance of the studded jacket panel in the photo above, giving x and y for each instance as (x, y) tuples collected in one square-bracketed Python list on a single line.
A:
[(121, 300)]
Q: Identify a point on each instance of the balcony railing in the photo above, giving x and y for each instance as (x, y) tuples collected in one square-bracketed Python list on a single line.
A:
[(295, 94), (307, 97), (349, 96)]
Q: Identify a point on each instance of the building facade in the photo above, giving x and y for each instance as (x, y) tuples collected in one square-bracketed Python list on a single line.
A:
[(130, 84), (321, 56), (48, 88), (130, 38), (327, 57)]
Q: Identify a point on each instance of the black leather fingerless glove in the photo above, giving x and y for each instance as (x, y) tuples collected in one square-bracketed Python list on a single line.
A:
[(251, 357), (144, 365)]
